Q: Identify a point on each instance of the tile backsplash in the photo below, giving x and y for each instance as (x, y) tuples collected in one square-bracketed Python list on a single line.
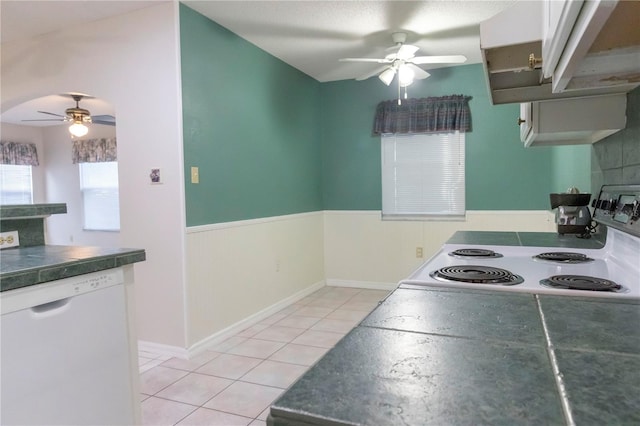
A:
[(616, 159)]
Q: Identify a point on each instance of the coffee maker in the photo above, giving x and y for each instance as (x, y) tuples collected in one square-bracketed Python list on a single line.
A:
[(572, 211)]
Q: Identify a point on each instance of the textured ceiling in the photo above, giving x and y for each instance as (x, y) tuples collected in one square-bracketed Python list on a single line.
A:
[(312, 35), (308, 35)]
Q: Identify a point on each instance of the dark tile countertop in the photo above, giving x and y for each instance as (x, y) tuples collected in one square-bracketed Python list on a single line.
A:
[(440, 356), (530, 239), (26, 266), (21, 211)]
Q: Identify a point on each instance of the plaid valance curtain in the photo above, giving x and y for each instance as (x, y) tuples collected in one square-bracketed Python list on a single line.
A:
[(425, 115), (95, 150), (17, 153)]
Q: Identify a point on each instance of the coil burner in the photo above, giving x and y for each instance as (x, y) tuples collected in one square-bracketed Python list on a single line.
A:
[(476, 274), (581, 282), (563, 257), (467, 253)]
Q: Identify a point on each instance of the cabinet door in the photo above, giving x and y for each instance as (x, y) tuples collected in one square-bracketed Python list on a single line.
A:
[(558, 19), (591, 18)]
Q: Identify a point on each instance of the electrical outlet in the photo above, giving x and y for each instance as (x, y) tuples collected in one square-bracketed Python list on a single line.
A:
[(9, 239), (195, 175), (419, 252)]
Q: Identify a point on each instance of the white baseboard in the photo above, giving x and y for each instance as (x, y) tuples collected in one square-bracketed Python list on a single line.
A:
[(163, 350), (224, 334), (370, 285), (233, 329)]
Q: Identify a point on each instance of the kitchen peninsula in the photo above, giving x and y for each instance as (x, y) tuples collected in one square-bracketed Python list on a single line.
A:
[(33, 262), (436, 355)]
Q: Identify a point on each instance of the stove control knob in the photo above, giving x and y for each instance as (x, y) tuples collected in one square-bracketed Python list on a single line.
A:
[(635, 210)]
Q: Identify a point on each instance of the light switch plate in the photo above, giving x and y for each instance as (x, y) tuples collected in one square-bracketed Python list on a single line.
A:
[(9, 239)]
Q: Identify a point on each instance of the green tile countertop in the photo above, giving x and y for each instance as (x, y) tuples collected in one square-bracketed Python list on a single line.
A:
[(22, 211), (530, 239), (26, 266), (440, 356)]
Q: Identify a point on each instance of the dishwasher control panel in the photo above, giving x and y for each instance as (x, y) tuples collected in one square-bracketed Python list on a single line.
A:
[(39, 294)]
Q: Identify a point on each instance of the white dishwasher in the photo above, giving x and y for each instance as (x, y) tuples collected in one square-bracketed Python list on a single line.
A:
[(65, 353)]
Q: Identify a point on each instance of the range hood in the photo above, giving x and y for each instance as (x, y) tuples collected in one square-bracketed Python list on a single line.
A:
[(512, 55)]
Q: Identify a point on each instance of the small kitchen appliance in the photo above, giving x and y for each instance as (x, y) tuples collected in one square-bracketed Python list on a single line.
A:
[(572, 211), (612, 271)]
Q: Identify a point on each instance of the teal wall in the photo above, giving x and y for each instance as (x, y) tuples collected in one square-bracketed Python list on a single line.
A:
[(500, 173), (251, 126), (270, 140)]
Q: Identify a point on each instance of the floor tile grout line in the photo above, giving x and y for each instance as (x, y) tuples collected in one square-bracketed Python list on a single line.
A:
[(262, 359)]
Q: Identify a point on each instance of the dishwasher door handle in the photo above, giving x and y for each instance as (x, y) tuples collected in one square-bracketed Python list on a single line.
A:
[(51, 308)]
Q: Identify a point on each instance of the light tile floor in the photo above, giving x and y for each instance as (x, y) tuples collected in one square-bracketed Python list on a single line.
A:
[(235, 382)]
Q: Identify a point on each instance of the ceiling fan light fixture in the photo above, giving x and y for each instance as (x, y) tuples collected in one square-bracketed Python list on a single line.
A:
[(78, 129), (387, 75), (405, 75)]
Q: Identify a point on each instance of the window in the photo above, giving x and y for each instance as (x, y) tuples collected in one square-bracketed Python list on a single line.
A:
[(423, 176), (15, 184), (99, 186)]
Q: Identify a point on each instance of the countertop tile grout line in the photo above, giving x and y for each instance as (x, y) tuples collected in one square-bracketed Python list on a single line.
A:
[(562, 390)]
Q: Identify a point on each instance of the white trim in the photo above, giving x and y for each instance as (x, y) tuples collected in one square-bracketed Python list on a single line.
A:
[(230, 331), (249, 222), (508, 212), (354, 212), (182, 196), (378, 213), (163, 350), (234, 329), (468, 212), (224, 334), (370, 285)]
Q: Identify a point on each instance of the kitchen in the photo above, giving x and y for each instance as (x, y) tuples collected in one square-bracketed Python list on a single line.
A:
[(177, 312)]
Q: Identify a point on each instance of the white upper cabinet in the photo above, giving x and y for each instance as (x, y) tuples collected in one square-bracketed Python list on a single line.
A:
[(591, 44), (572, 121), (554, 49), (557, 22)]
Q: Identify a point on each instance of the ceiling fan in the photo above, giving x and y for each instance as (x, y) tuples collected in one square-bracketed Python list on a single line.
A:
[(78, 117), (404, 63)]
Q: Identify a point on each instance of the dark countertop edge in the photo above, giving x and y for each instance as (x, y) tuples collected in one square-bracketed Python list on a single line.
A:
[(38, 275), (27, 211)]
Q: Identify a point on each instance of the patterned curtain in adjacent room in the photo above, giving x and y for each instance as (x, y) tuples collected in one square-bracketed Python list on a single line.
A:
[(17, 153), (95, 150)]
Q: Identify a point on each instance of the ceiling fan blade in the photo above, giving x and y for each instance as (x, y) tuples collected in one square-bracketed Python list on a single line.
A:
[(379, 61), (451, 59), (50, 113), (419, 73), (108, 120), (406, 51), (47, 119), (372, 73)]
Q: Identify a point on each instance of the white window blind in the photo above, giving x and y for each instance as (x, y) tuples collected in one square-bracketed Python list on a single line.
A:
[(101, 205), (423, 176), (15, 184)]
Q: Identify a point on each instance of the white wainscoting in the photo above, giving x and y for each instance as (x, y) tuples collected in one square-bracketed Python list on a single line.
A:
[(364, 251), (240, 272)]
